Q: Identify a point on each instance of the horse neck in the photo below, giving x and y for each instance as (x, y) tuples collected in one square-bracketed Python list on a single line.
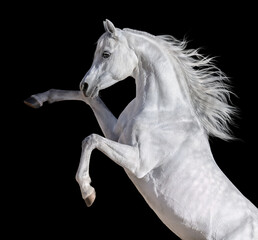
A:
[(157, 83)]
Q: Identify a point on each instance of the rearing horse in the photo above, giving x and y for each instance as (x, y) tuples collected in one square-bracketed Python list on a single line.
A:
[(161, 137)]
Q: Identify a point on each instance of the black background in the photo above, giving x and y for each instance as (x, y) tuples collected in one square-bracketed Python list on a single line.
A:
[(52, 46)]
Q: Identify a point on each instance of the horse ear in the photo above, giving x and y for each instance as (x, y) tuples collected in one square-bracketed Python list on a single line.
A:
[(109, 27)]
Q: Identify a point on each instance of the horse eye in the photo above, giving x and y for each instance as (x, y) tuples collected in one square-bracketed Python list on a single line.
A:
[(106, 54)]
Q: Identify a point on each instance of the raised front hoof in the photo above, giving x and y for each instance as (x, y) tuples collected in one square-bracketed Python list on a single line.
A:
[(90, 199), (32, 102)]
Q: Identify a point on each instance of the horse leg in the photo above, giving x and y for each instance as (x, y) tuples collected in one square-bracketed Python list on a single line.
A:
[(83, 177), (104, 117), (124, 155), (53, 95)]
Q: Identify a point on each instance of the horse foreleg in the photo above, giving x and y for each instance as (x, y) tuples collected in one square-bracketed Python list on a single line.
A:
[(54, 95), (124, 155), (106, 120), (104, 117)]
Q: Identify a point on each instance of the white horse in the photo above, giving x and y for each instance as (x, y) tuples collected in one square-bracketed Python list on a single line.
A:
[(161, 137)]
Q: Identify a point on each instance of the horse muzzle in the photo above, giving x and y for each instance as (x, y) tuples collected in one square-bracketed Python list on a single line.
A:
[(88, 92)]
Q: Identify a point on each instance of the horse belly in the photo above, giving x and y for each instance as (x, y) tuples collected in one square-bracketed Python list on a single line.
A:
[(168, 209), (204, 205)]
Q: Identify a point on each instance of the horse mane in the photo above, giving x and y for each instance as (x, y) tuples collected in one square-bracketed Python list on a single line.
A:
[(207, 86)]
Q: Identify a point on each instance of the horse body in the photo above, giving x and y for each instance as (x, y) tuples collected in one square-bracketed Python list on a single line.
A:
[(194, 206), (187, 174), (159, 139), (192, 196)]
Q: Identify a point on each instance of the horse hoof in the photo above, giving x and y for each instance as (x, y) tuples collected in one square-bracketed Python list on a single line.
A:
[(90, 199), (32, 102)]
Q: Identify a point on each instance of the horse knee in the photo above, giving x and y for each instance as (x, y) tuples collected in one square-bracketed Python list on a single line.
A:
[(90, 140), (140, 171)]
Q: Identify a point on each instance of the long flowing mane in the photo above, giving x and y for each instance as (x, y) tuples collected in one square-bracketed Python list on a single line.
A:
[(207, 86)]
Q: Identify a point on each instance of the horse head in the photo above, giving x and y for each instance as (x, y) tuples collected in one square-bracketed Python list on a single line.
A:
[(113, 61)]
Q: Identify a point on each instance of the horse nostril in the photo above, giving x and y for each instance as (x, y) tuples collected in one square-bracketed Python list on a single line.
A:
[(85, 86)]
